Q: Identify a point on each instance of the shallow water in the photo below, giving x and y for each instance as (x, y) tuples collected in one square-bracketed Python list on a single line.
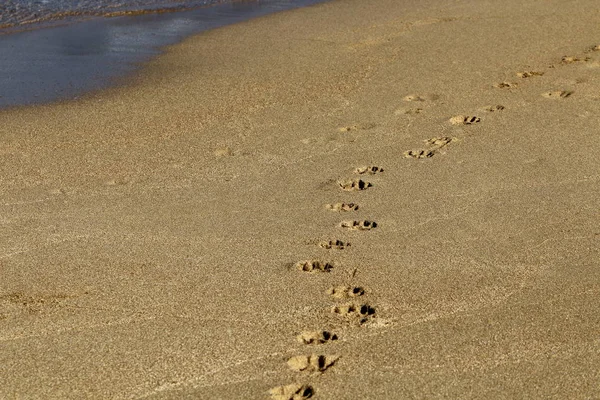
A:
[(21, 13), (63, 62)]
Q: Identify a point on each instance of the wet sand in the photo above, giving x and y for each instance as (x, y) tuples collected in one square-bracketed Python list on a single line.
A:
[(173, 238)]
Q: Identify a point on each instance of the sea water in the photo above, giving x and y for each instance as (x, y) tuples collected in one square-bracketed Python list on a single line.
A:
[(60, 49), (25, 13)]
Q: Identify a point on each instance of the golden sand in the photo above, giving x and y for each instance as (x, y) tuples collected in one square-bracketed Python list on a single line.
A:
[(151, 232)]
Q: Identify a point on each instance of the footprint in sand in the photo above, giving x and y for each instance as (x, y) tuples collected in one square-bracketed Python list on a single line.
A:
[(19, 302), (557, 94), (294, 391), (496, 108), (421, 98), (314, 363), (314, 266), (419, 154), (408, 111), (354, 312), (316, 337), (223, 152), (439, 142), (334, 244), (345, 292), (529, 74), (357, 127), (505, 85), (359, 225), (354, 185), (572, 59), (465, 120), (370, 170), (342, 207), (415, 98)]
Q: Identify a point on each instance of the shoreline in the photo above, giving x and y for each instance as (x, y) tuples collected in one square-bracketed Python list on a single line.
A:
[(347, 201), (66, 61)]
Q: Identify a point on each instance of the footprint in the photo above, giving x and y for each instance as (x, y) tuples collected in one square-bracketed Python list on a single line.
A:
[(314, 363), (357, 127), (294, 391), (316, 337), (529, 74), (357, 312), (314, 266), (413, 97), (464, 120), (334, 244), (421, 98), (505, 85), (557, 94), (408, 111), (419, 154), (359, 225), (344, 292), (439, 142), (572, 59), (354, 185), (342, 207), (371, 170), (19, 302), (223, 152), (495, 108)]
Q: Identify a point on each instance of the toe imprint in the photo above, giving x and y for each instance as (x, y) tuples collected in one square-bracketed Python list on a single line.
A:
[(343, 292), (557, 94), (342, 207), (505, 85), (316, 337), (293, 391), (419, 154), (354, 184), (529, 74), (334, 244), (357, 312), (439, 142), (495, 108), (314, 266), (372, 170), (312, 363), (359, 225), (464, 120)]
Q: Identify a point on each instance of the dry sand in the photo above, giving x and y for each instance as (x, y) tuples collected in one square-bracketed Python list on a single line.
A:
[(150, 233)]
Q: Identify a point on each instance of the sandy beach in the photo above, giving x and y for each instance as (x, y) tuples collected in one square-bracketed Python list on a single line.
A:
[(362, 199)]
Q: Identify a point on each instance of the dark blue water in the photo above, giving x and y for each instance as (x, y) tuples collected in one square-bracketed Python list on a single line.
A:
[(62, 62)]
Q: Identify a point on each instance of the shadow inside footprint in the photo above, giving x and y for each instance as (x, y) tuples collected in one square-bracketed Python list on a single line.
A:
[(344, 292), (557, 94), (294, 391), (355, 312), (317, 337), (354, 185), (419, 154), (314, 363), (464, 120), (359, 225), (372, 170), (314, 266), (342, 207), (334, 244)]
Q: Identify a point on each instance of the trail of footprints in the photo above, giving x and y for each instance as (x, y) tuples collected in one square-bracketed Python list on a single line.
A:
[(344, 299), (434, 145), (347, 304)]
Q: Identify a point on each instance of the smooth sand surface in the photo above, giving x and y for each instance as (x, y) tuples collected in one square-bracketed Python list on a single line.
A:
[(150, 233)]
